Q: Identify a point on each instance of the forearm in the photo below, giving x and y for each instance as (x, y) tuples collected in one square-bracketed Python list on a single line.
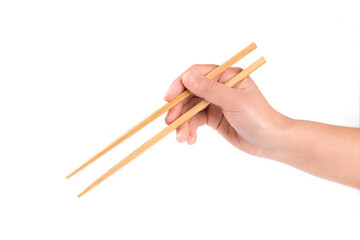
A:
[(327, 151)]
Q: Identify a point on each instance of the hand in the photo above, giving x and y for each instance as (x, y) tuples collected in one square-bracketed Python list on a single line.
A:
[(240, 114), (244, 118)]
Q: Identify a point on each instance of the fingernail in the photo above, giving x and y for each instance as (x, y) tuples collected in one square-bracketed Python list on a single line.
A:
[(189, 79)]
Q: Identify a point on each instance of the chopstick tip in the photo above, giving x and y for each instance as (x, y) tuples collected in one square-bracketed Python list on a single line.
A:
[(73, 173), (70, 175), (82, 193)]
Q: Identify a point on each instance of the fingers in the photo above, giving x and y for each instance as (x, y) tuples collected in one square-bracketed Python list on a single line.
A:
[(195, 122), (229, 74), (232, 72), (176, 111), (183, 131), (211, 90), (187, 131), (177, 87)]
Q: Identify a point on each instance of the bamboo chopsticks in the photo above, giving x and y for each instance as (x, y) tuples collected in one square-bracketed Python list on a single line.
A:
[(200, 106), (217, 71)]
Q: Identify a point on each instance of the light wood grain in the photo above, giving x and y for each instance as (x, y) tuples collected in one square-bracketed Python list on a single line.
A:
[(178, 122), (214, 73)]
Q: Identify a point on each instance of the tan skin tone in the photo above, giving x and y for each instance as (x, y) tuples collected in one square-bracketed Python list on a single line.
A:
[(245, 119)]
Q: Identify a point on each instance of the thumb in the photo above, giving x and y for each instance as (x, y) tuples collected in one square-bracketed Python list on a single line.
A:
[(211, 90)]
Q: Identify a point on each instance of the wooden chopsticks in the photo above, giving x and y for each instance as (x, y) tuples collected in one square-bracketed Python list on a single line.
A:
[(200, 106), (214, 73), (178, 122)]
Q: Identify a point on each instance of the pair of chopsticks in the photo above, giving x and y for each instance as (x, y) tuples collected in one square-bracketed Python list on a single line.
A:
[(177, 123)]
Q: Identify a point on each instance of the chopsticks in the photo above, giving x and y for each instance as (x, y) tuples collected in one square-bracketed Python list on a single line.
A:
[(178, 122), (214, 73)]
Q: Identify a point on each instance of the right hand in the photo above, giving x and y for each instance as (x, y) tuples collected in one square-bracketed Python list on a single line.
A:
[(240, 114)]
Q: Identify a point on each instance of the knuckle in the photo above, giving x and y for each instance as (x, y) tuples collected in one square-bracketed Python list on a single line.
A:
[(237, 69), (211, 86), (202, 67), (210, 65), (194, 66)]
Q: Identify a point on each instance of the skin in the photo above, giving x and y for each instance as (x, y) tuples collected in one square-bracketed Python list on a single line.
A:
[(245, 119)]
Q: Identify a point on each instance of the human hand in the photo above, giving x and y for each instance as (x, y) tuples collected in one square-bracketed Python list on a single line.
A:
[(244, 118), (240, 114)]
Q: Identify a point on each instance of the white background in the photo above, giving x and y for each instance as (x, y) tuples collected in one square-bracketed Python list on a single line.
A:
[(74, 75)]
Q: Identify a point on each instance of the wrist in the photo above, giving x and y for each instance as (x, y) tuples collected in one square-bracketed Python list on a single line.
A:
[(281, 138)]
